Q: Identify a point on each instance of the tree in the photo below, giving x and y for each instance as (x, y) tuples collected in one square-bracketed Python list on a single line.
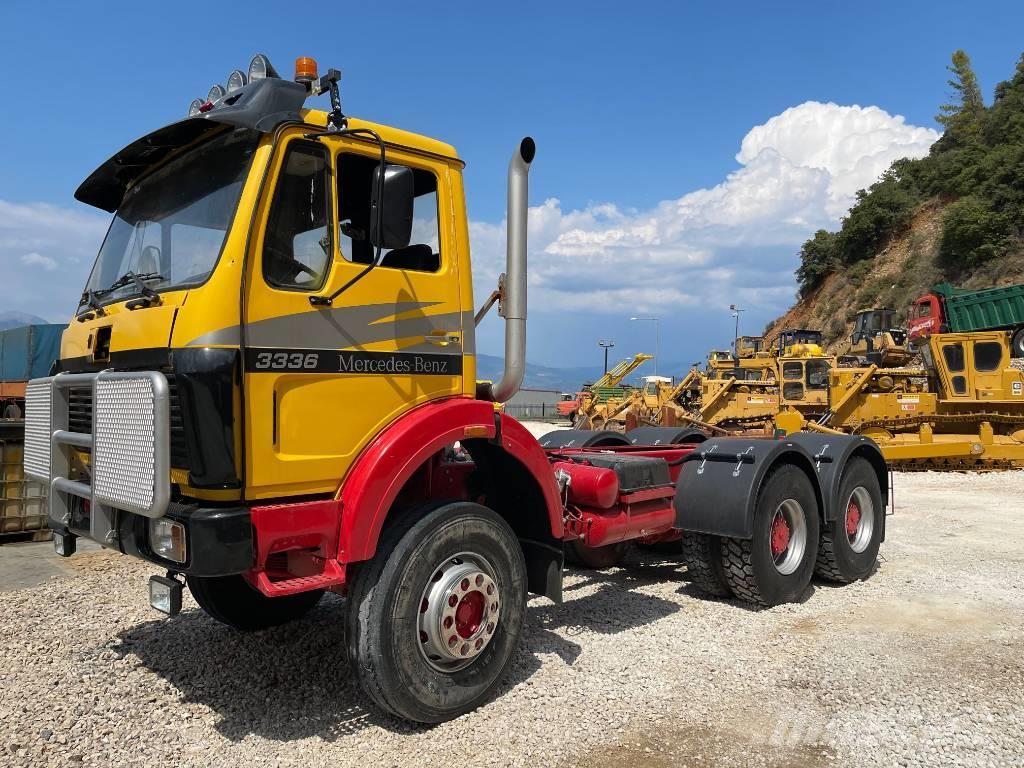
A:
[(819, 256), (963, 117)]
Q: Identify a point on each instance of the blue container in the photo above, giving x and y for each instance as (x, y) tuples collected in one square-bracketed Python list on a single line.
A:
[(29, 351)]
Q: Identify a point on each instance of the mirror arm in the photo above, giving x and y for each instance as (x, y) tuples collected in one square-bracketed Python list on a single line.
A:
[(326, 301), (495, 295)]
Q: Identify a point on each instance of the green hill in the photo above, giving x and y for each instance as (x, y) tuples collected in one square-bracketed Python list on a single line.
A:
[(956, 214)]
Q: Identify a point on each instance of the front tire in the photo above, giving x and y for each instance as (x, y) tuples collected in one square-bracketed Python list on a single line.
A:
[(436, 615), (232, 601), (775, 566), (849, 544)]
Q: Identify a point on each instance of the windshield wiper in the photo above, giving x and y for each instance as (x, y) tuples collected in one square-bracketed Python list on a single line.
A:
[(92, 300), (130, 277)]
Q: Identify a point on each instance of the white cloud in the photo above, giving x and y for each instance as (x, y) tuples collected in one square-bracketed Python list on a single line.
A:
[(736, 241), (685, 258), (38, 260), (38, 239)]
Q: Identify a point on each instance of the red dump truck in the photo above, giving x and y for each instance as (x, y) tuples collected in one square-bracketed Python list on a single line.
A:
[(959, 310)]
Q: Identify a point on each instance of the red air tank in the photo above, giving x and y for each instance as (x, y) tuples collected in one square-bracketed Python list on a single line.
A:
[(594, 487)]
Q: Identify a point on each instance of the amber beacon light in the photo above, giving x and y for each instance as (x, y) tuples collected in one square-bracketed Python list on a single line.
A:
[(305, 70)]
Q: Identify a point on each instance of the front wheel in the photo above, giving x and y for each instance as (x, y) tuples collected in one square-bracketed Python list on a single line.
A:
[(436, 615), (232, 601), (776, 564)]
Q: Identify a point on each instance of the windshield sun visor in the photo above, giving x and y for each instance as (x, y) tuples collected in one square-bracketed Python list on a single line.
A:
[(262, 105)]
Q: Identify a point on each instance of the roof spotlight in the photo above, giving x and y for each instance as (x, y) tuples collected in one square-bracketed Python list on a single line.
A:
[(260, 67), (216, 94), (236, 80), (195, 107)]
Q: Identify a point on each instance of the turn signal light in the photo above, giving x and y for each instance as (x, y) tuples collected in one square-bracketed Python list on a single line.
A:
[(305, 70)]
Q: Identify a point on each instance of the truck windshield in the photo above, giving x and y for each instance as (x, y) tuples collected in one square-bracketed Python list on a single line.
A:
[(170, 227)]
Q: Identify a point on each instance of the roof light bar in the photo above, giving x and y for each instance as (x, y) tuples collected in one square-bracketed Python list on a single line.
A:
[(260, 67), (236, 80), (196, 107), (216, 93)]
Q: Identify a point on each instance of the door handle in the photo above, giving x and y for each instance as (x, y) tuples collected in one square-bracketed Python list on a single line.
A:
[(442, 339)]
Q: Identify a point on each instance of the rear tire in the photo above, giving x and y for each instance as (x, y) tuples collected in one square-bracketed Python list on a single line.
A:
[(702, 555), (849, 544), (232, 601), (402, 636), (776, 565), (596, 558)]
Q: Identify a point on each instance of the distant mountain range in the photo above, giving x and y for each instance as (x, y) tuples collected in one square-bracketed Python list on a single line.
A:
[(570, 379), (12, 319)]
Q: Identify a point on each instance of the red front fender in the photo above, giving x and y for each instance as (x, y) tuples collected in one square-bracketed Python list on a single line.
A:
[(384, 467)]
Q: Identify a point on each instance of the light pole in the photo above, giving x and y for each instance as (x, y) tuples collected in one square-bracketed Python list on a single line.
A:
[(605, 345), (657, 337), (736, 339)]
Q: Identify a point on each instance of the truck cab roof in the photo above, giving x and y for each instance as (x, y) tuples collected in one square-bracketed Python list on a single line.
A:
[(262, 106)]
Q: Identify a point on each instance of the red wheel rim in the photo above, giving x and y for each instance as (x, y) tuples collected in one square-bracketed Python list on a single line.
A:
[(780, 534), (852, 518), (470, 614)]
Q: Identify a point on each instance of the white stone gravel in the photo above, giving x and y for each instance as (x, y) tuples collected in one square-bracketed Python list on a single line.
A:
[(922, 665)]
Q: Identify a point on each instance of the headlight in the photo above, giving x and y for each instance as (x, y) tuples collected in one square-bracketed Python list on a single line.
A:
[(260, 67), (167, 539), (236, 80)]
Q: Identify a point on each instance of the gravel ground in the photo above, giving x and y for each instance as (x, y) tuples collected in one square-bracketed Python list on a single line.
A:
[(920, 665)]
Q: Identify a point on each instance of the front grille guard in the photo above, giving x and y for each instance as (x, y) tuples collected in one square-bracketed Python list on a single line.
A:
[(129, 446)]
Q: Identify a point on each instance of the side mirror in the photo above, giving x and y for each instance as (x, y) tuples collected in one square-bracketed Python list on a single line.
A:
[(393, 199)]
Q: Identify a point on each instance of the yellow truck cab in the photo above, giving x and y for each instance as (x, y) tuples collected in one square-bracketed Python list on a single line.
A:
[(268, 391)]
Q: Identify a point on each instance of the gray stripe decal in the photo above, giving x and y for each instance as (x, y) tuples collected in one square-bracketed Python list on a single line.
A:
[(341, 327)]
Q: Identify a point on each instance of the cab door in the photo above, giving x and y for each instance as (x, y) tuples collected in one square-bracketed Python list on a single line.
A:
[(322, 381), (953, 369)]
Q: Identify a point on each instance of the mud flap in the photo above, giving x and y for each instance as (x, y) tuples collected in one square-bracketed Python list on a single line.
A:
[(544, 564), (716, 492)]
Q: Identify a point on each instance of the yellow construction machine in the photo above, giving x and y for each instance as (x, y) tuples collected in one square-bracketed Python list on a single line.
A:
[(963, 409), (878, 339), (605, 398)]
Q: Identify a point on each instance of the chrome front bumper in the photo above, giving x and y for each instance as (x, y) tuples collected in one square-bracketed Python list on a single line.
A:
[(129, 446)]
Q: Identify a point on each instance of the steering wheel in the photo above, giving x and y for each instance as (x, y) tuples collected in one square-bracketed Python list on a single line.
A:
[(280, 256)]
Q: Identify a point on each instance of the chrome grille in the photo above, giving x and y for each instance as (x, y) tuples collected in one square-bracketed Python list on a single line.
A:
[(37, 428), (80, 418), (125, 442)]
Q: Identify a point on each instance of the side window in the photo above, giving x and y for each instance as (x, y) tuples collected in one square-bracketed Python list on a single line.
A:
[(817, 374), (355, 178), (793, 390), (954, 354), (297, 244), (988, 355), (792, 371)]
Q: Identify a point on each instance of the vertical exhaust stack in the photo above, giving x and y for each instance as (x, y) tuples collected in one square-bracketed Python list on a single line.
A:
[(513, 304)]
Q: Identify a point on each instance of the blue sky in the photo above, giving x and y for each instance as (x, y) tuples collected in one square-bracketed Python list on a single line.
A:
[(640, 113)]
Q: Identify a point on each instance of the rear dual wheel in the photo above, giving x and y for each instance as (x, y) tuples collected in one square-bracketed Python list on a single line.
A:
[(776, 564), (849, 544), (436, 615)]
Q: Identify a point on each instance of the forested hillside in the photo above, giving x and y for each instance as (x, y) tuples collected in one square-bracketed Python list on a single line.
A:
[(957, 215)]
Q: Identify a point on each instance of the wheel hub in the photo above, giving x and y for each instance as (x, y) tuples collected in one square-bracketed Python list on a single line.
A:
[(788, 536), (459, 612), (852, 518), (860, 519), (780, 534)]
